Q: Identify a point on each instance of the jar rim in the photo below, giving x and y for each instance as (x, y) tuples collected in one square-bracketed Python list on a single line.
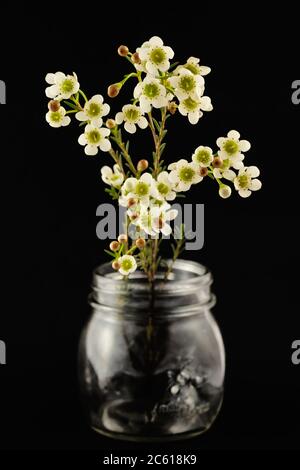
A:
[(186, 275)]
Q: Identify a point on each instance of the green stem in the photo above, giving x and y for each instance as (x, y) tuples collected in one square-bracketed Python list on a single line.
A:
[(84, 95), (126, 155), (118, 161)]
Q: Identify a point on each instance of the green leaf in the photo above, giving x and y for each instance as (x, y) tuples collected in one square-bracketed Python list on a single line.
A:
[(110, 253), (162, 148), (127, 146), (173, 65), (156, 125), (163, 134), (72, 105)]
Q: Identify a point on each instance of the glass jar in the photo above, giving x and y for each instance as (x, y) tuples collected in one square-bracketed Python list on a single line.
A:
[(151, 359)]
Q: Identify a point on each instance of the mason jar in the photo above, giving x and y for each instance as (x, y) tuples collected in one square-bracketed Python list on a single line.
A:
[(151, 357)]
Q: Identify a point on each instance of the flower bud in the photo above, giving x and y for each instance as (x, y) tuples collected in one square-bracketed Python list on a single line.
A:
[(203, 171), (123, 51), (225, 191), (172, 107), (217, 162), (110, 123), (136, 58), (131, 202), (134, 216), (54, 105), (122, 238), (113, 90), (142, 165), (140, 243), (160, 223), (114, 246), (116, 265)]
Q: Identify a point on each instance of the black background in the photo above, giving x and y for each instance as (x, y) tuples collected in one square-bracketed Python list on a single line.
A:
[(51, 191)]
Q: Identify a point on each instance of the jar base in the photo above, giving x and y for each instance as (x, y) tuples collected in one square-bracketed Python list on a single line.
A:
[(163, 438)]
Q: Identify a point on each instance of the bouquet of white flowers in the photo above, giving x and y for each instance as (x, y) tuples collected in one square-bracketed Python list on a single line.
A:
[(146, 190)]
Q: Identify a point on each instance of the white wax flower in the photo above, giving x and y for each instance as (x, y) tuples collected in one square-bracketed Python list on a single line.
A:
[(131, 115), (93, 111), (232, 148), (184, 174), (94, 138), (112, 177), (155, 56), (58, 118), (62, 86), (246, 181)]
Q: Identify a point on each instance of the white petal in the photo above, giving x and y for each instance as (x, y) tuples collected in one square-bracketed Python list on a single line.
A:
[(145, 104), (130, 127), (88, 128), (146, 178), (204, 70), (171, 215), (244, 193), (151, 68), (55, 124), (97, 122), (255, 185), (81, 116), (52, 91), (105, 109), (119, 118), (166, 230), (91, 150), (173, 176), (229, 175), (169, 51), (156, 41), (253, 171), (142, 122), (183, 186), (194, 117), (106, 171), (217, 173), (104, 132), (182, 109), (164, 66), (105, 145), (171, 196), (244, 145), (144, 53), (220, 141), (235, 135), (50, 78), (123, 272), (197, 179), (137, 91), (206, 103), (237, 165), (97, 99), (59, 77), (160, 102), (82, 139), (66, 121)]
